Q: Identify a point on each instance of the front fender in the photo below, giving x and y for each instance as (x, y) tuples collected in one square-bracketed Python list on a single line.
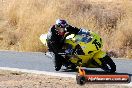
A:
[(99, 55)]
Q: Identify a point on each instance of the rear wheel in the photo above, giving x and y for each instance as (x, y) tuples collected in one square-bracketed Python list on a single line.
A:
[(108, 65)]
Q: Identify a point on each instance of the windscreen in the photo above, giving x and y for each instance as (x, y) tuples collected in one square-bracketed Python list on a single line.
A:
[(83, 38)]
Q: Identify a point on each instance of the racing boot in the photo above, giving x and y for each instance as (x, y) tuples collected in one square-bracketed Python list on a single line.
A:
[(58, 62)]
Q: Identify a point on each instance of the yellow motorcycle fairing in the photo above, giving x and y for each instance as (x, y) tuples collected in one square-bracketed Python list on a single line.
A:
[(99, 55), (92, 49)]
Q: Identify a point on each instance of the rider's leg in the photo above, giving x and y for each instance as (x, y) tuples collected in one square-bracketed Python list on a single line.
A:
[(58, 62)]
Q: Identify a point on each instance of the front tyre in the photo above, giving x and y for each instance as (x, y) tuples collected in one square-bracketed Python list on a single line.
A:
[(108, 65)]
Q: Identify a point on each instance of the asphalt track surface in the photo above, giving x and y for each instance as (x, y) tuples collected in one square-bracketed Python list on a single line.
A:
[(41, 62)]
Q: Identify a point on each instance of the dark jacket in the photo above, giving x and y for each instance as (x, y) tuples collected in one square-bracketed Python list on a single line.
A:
[(55, 40)]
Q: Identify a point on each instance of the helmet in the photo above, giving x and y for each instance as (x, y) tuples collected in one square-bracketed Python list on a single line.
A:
[(61, 23)]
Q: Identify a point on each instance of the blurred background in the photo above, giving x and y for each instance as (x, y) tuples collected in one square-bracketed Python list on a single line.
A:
[(23, 21)]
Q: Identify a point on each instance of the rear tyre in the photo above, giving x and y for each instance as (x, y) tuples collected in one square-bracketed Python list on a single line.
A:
[(108, 65)]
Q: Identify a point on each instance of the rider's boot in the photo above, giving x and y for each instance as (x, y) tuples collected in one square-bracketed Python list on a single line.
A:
[(58, 62)]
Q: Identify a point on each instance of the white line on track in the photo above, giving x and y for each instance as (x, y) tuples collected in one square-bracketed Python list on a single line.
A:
[(38, 72), (50, 73)]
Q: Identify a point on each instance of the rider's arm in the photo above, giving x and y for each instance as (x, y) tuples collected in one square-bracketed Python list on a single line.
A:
[(72, 29)]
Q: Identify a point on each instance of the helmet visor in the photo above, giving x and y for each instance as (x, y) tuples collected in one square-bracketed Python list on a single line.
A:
[(62, 25)]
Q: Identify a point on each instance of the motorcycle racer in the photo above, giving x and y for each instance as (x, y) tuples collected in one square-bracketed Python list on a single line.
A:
[(81, 48), (55, 39)]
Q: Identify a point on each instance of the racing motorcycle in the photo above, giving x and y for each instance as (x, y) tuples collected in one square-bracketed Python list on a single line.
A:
[(87, 52)]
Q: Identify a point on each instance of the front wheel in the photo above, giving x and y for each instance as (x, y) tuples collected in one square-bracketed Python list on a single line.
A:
[(108, 65)]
